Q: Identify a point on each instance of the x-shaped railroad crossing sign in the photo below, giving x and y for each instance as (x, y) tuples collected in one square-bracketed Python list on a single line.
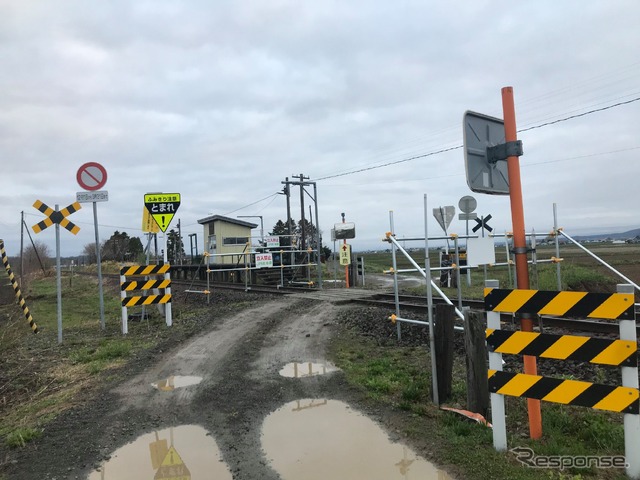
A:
[(482, 223), (54, 216)]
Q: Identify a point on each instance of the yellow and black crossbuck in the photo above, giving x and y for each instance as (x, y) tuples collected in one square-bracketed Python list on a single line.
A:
[(59, 217)]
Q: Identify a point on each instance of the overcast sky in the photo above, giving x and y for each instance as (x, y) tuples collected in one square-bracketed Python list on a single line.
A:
[(221, 100)]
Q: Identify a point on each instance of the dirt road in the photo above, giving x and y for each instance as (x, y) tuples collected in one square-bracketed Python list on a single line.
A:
[(220, 403)]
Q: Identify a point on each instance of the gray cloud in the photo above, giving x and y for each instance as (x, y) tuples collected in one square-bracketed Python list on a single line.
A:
[(221, 101)]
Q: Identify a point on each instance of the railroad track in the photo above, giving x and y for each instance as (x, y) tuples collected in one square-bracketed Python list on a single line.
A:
[(386, 299), (417, 303)]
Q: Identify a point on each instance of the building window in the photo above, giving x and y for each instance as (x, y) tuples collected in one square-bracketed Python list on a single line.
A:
[(235, 240)]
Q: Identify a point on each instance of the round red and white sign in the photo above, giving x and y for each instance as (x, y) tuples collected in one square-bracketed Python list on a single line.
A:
[(91, 176)]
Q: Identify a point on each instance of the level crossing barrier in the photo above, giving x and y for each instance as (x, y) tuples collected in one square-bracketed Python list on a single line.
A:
[(141, 285), (619, 353)]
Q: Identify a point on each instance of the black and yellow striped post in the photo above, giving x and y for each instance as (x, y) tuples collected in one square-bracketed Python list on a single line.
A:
[(16, 288), (163, 285)]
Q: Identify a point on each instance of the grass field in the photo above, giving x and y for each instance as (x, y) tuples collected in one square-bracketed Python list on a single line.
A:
[(578, 270)]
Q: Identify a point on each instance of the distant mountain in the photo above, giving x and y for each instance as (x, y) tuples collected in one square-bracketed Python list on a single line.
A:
[(630, 234)]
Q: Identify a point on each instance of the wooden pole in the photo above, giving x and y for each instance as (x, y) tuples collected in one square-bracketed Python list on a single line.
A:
[(444, 332), (476, 351)]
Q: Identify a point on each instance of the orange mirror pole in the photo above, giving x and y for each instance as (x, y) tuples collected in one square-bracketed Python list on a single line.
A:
[(520, 247)]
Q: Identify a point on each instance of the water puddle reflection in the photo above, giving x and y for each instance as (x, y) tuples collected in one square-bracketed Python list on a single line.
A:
[(320, 439), (176, 381), (183, 452), (307, 369)]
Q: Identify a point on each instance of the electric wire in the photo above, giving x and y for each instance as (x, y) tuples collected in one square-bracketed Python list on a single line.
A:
[(523, 165), (253, 203), (571, 117), (444, 150)]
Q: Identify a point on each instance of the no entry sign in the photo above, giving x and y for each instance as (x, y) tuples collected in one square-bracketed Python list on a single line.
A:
[(91, 176)]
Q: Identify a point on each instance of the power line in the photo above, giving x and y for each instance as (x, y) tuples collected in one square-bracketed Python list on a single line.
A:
[(523, 165), (416, 157), (253, 203), (580, 115), (373, 167)]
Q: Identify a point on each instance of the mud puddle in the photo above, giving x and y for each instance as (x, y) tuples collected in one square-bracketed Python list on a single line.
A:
[(176, 381), (320, 439), (307, 369), (181, 452)]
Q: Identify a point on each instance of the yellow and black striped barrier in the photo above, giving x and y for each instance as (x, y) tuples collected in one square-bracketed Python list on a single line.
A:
[(16, 288), (568, 392), (146, 300), (619, 353), (135, 285), (141, 270), (144, 285), (564, 347), (612, 306)]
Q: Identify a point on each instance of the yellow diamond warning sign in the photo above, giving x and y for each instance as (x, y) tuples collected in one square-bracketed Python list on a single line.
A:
[(162, 207)]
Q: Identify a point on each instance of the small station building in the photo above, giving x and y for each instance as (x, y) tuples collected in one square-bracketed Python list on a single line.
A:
[(226, 238)]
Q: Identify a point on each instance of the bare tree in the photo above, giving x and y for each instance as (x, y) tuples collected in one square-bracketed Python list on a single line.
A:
[(36, 257), (89, 253)]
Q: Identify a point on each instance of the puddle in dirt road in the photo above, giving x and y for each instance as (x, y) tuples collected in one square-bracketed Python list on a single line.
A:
[(178, 452), (176, 381), (307, 369), (320, 439)]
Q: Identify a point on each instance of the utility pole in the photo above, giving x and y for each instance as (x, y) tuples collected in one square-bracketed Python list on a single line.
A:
[(287, 192), (302, 183), (303, 243), (178, 257)]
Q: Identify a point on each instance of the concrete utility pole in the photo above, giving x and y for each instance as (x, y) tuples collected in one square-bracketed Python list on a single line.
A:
[(303, 183), (178, 257), (303, 243), (287, 192)]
